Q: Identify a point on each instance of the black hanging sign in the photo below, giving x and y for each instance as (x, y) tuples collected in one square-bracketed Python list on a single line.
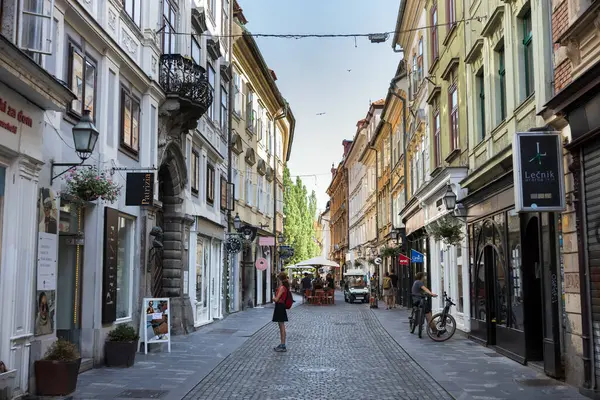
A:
[(139, 190), (109, 272), (538, 172)]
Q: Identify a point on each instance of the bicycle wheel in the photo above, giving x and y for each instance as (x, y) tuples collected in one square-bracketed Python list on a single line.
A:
[(420, 322), (413, 320), (444, 329)]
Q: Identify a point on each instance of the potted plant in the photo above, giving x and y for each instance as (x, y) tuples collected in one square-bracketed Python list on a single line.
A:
[(88, 184), (121, 346), (56, 374), (446, 230)]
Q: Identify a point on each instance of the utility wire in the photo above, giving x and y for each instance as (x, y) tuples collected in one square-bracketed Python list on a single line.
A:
[(327, 35)]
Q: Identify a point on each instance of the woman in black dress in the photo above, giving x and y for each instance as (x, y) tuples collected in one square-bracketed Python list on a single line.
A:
[(280, 313)]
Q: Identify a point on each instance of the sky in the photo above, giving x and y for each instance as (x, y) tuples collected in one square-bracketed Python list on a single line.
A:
[(313, 73)]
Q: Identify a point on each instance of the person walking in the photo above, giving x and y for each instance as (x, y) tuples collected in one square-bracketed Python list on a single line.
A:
[(280, 313), (387, 291), (394, 279)]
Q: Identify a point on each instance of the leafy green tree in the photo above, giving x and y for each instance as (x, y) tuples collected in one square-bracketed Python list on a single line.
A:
[(300, 212)]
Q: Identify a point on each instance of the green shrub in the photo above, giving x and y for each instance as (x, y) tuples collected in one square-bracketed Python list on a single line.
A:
[(123, 333), (62, 350)]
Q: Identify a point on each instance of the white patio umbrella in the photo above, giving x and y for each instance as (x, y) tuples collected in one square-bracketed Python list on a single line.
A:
[(318, 262)]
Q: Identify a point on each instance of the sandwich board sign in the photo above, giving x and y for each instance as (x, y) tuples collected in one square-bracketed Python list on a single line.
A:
[(155, 322)]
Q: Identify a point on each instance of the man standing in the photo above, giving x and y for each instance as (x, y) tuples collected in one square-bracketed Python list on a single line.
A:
[(394, 279), (306, 283)]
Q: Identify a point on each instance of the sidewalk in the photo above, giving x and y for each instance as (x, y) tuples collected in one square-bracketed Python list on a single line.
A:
[(468, 370), (171, 376)]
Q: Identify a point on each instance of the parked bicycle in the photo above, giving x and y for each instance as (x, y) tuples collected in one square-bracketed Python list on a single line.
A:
[(445, 324)]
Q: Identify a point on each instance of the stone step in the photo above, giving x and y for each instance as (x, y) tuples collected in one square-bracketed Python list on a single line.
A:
[(86, 364)]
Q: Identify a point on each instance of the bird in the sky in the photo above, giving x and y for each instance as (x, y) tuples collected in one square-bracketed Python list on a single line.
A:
[(321, 113), (348, 70)]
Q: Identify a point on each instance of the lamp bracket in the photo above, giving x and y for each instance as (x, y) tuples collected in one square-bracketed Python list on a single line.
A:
[(70, 165)]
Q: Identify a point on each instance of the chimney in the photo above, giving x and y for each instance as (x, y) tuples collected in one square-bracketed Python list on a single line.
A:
[(332, 170), (347, 145)]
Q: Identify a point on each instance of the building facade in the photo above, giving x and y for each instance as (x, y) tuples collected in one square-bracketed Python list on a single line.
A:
[(338, 194), (571, 111), (263, 129)]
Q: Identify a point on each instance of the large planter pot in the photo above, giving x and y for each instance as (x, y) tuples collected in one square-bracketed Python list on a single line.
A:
[(120, 354), (56, 378)]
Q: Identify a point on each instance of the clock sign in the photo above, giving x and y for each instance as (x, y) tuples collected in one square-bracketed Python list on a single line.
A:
[(538, 172)]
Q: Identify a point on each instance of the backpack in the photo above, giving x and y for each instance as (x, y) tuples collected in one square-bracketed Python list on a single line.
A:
[(289, 299), (387, 283)]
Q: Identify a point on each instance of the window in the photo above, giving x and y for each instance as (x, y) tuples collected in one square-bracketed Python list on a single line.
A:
[(130, 121), (223, 193), (528, 54), (417, 164), (82, 78), (437, 144), (434, 33), (502, 84), (168, 29), (259, 123), (237, 93), (236, 176), (269, 136), (196, 49), (259, 194), (249, 194), (250, 113), (210, 184), (451, 13), (224, 19), (211, 83), (480, 84), (212, 8), (224, 114), (195, 169), (125, 252), (415, 83), (453, 100), (422, 166), (36, 26), (420, 61), (134, 10), (199, 268)]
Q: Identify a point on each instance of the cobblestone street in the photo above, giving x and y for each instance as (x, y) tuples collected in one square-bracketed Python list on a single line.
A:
[(334, 352)]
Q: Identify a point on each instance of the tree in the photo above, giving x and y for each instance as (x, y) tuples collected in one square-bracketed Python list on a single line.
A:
[(300, 212)]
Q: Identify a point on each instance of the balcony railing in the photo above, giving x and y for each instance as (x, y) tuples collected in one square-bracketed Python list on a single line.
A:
[(183, 77)]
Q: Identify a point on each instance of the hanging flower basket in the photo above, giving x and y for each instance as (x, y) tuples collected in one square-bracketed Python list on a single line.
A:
[(447, 230), (391, 251), (88, 184)]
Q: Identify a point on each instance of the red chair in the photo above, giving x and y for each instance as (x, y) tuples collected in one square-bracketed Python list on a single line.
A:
[(330, 297), (307, 296), (320, 296)]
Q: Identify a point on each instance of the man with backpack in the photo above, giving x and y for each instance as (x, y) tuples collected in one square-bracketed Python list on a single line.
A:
[(387, 291)]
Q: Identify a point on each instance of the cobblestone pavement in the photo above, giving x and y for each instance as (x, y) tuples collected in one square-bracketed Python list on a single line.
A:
[(470, 371), (334, 352)]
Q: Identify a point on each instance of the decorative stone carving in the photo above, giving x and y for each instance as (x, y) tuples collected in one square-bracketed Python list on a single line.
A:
[(128, 42), (112, 20), (573, 52), (154, 64)]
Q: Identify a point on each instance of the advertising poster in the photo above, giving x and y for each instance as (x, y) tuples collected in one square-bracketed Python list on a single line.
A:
[(156, 317), (47, 256)]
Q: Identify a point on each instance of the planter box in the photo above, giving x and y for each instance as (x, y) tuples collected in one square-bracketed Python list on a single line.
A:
[(120, 354), (56, 378)]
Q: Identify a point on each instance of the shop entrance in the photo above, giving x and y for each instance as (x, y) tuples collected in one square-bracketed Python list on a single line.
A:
[(532, 288), (70, 272)]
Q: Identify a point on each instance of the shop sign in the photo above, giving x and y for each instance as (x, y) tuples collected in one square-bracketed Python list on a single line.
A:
[(155, 322), (416, 257), (266, 240), (403, 260), (139, 190), (14, 115), (538, 172), (109, 272)]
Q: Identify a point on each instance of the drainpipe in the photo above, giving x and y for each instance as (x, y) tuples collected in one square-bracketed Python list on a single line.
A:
[(376, 194), (231, 101)]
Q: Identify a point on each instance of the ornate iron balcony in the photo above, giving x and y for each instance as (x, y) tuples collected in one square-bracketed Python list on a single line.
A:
[(182, 77)]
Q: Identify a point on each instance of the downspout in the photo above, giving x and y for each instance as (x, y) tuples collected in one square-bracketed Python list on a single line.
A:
[(229, 155), (376, 194)]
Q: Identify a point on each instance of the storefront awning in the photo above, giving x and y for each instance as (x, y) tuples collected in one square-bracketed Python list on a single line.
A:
[(24, 76)]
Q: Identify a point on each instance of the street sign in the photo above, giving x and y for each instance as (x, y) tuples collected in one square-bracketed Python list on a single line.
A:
[(139, 189), (416, 257), (403, 260)]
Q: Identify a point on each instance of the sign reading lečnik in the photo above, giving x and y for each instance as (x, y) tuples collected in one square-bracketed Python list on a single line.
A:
[(538, 172), (139, 190)]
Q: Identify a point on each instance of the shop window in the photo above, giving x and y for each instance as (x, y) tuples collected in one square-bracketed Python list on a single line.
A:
[(133, 8), (514, 245), (36, 26), (195, 171), (210, 184), (199, 268), (125, 255), (460, 303), (82, 79), (501, 291), (169, 33), (130, 121)]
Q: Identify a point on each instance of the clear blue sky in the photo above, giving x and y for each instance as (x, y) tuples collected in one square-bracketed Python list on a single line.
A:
[(313, 77)]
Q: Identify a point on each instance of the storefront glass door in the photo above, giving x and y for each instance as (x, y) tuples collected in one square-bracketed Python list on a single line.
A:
[(203, 277), (215, 280), (69, 272)]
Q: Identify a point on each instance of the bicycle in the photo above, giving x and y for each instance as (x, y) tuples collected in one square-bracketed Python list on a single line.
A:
[(417, 316), (443, 322)]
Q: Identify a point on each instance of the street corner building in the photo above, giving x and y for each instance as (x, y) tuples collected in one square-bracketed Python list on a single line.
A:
[(99, 94)]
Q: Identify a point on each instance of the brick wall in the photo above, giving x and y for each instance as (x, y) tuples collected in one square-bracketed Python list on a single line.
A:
[(562, 65)]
